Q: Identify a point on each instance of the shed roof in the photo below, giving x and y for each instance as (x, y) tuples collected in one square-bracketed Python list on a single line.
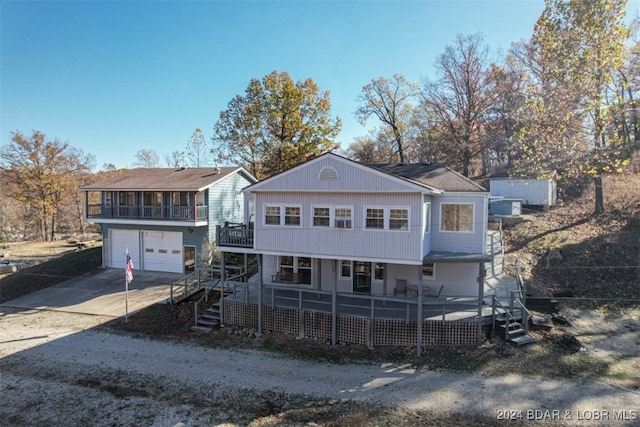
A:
[(165, 179)]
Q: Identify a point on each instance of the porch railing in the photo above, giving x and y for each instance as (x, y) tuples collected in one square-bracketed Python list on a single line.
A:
[(234, 235), (162, 213)]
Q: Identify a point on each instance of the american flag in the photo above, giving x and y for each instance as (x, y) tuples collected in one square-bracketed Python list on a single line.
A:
[(129, 269)]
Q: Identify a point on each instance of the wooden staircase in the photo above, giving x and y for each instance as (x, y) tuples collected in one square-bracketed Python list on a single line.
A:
[(509, 312), (211, 318)]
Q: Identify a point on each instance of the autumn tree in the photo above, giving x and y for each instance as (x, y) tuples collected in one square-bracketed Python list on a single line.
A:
[(147, 158), (198, 153), (574, 55), (277, 124), (458, 100), (41, 175), (391, 102)]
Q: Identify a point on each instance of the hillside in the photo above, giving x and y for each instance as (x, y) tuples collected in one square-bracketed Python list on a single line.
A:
[(600, 255)]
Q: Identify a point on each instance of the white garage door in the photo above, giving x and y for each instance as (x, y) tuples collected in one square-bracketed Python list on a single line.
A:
[(119, 241), (162, 251)]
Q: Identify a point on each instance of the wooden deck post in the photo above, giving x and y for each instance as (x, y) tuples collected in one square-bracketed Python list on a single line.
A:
[(334, 306), (481, 277), (419, 316), (222, 277), (259, 295)]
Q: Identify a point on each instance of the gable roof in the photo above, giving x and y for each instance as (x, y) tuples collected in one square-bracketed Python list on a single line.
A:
[(431, 175), (425, 177), (166, 179)]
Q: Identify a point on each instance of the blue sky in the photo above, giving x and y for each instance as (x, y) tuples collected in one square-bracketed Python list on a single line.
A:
[(112, 78)]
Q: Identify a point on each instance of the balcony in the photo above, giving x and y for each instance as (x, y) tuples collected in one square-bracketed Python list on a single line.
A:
[(234, 235), (159, 213)]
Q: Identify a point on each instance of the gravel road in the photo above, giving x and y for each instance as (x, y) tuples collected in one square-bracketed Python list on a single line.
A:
[(55, 366)]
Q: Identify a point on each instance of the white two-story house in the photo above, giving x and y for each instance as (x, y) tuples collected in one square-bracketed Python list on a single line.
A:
[(334, 224), (373, 254)]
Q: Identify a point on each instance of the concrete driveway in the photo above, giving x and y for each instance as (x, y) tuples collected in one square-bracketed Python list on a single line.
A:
[(101, 293)]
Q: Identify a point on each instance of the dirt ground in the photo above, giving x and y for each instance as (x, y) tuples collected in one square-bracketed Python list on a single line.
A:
[(65, 369)]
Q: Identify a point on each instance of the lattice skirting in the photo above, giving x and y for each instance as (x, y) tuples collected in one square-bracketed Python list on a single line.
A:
[(353, 329)]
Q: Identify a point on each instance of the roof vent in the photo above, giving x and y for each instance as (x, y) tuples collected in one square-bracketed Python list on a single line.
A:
[(328, 174), (216, 171)]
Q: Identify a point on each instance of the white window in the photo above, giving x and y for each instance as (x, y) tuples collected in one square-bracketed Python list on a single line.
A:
[(343, 217), (345, 269), (332, 216), (321, 216), (427, 217), (399, 219), (291, 215), (272, 215), (282, 215), (374, 218), (295, 269), (456, 217), (386, 218), (378, 271), (428, 270)]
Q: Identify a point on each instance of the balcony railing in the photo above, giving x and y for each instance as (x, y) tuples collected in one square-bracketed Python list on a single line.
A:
[(161, 213), (235, 235)]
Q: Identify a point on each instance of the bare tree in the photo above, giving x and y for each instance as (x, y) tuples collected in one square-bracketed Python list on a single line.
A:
[(147, 158), (391, 101), (198, 154), (458, 98)]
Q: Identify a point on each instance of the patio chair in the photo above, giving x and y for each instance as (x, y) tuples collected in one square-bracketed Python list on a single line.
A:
[(432, 294), (401, 287)]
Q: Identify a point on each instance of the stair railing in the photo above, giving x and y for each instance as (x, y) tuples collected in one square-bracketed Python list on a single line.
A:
[(203, 298), (495, 304)]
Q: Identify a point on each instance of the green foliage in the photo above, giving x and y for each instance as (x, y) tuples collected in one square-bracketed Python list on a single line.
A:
[(278, 124)]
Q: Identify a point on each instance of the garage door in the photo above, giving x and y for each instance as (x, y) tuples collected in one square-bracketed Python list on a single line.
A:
[(162, 251), (119, 241)]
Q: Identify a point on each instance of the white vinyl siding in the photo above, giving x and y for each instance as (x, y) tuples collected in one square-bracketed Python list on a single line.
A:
[(340, 243)]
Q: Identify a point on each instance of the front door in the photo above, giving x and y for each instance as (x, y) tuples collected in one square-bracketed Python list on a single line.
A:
[(361, 277), (189, 259)]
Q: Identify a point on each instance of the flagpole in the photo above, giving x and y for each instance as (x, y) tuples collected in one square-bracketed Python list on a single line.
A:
[(126, 286)]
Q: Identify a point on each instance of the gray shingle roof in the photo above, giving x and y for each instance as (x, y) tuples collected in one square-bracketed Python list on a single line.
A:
[(431, 175), (163, 179)]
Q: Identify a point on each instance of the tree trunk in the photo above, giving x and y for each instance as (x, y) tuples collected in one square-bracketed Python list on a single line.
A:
[(599, 208)]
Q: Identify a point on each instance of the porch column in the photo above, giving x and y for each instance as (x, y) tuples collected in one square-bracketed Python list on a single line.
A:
[(259, 295), (481, 276), (334, 305), (419, 316), (222, 277)]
